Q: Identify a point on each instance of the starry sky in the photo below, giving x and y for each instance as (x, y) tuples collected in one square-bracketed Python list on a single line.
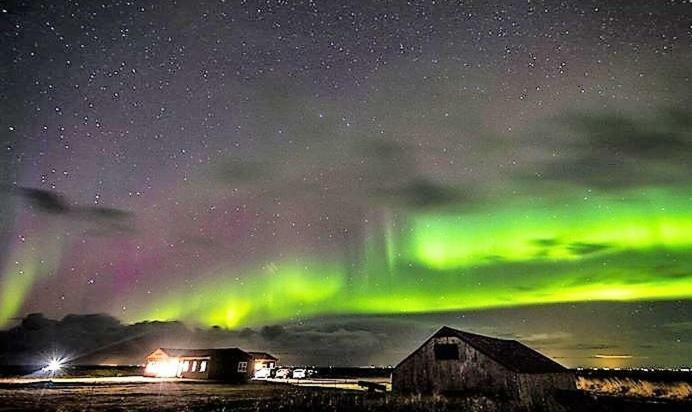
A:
[(275, 164)]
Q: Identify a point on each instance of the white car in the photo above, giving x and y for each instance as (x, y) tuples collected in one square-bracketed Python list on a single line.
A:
[(282, 373), (263, 373), (299, 373)]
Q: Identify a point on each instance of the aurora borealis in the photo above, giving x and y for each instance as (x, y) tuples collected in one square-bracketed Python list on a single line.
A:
[(598, 249), (242, 165)]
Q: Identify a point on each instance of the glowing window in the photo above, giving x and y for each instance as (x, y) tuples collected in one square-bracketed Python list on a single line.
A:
[(186, 366), (242, 366), (203, 366), (194, 366)]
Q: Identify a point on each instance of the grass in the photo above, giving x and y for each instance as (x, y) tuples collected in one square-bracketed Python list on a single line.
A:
[(599, 393), (625, 386)]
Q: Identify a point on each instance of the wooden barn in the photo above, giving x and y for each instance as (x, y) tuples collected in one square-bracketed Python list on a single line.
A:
[(452, 361), (226, 364)]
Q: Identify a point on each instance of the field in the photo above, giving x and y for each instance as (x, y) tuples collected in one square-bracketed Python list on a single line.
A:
[(122, 394), (674, 385), (133, 394), (108, 392)]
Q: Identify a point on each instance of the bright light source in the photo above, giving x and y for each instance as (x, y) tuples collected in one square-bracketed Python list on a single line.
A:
[(54, 365), (165, 368)]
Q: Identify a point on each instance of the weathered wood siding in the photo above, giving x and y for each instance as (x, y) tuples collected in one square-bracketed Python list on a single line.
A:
[(536, 390), (473, 371)]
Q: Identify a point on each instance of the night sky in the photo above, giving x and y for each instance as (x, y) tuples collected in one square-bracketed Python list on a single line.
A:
[(366, 169)]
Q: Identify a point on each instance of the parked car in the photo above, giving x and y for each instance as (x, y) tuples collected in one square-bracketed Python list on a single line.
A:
[(283, 373), (263, 373), (299, 373)]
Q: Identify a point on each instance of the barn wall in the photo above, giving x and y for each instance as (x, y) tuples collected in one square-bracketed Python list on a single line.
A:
[(473, 371), (536, 390)]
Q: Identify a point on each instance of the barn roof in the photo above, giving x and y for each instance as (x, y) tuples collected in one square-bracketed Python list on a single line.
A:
[(204, 352), (511, 354)]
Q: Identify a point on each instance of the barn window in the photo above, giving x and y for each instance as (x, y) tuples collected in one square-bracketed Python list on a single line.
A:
[(446, 351), (194, 366), (203, 366), (242, 366)]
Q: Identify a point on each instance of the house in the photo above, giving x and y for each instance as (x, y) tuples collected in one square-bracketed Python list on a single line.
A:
[(263, 364), (227, 364), (453, 361)]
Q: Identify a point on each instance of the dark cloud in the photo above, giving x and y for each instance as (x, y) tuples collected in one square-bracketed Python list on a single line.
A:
[(617, 134), (582, 248), (620, 150), (93, 338), (557, 330), (96, 338), (104, 220), (44, 200), (378, 172), (576, 248), (247, 333), (546, 242), (272, 332), (335, 154), (107, 213), (420, 194)]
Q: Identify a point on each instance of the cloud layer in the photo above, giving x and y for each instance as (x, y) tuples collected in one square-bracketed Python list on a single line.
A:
[(556, 331)]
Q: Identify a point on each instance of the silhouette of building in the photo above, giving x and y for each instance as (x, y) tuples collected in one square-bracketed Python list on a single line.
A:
[(452, 361), (227, 364)]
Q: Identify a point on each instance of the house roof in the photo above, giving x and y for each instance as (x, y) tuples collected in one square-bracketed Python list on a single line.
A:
[(204, 352), (263, 355), (511, 354)]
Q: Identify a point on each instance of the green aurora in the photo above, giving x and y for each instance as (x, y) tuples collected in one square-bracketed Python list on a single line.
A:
[(636, 245), (27, 263)]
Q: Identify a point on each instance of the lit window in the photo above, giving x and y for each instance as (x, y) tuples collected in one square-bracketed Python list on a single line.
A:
[(162, 369), (242, 366), (186, 366), (203, 366), (194, 366)]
